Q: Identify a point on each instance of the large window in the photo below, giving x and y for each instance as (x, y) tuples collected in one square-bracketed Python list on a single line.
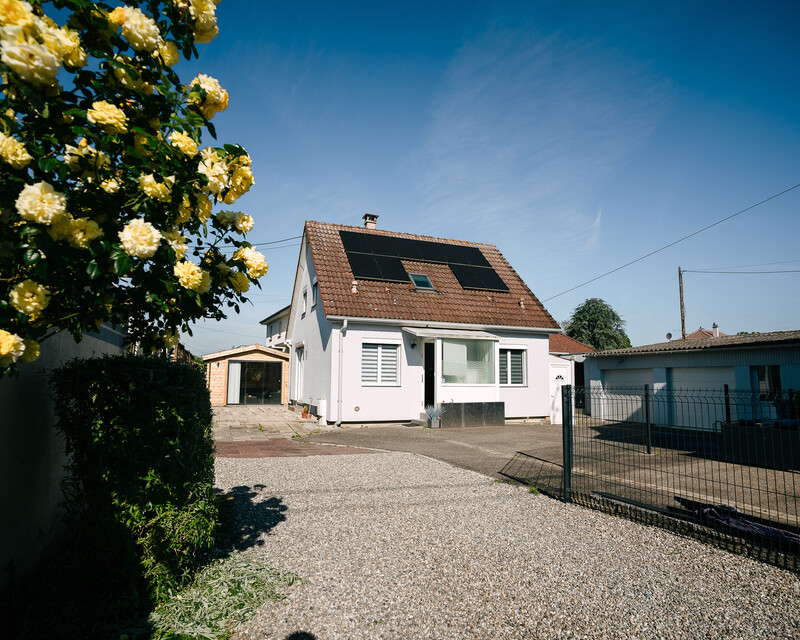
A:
[(467, 361), (379, 364), (766, 381), (512, 366), (252, 382)]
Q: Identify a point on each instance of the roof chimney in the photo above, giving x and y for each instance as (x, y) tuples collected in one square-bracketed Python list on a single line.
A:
[(369, 220), (715, 330)]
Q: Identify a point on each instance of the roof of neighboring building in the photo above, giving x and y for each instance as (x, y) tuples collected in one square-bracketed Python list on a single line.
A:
[(449, 303), (562, 343), (703, 333), (773, 338), (280, 313), (239, 351)]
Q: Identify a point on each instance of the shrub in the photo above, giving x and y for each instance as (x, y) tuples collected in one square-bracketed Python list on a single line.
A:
[(138, 433)]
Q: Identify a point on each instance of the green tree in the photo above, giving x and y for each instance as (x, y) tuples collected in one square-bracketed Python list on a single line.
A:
[(106, 195), (595, 323)]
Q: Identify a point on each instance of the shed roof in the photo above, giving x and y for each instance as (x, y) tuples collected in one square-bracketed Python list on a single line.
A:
[(240, 351), (449, 303), (770, 339), (562, 343)]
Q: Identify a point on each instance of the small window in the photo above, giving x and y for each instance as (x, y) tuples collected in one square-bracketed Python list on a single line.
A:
[(767, 381), (421, 281), (379, 364), (314, 293), (304, 302), (512, 367)]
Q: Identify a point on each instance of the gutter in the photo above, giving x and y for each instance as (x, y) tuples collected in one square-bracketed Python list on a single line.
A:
[(341, 369), (438, 325)]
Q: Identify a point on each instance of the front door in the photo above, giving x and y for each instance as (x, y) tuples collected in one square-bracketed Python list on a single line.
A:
[(429, 364)]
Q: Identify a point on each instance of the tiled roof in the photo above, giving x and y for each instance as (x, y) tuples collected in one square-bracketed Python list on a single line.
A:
[(239, 351), (773, 338), (561, 343), (449, 303), (703, 333)]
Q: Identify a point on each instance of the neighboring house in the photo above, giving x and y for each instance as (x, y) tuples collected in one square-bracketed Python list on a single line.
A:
[(384, 324), (276, 326), (760, 366), (566, 367), (247, 375), (714, 332)]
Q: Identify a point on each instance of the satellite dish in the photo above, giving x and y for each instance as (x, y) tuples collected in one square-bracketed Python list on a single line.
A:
[(669, 336)]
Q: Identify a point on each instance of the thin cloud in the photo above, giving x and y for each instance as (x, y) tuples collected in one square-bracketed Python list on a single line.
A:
[(524, 130)]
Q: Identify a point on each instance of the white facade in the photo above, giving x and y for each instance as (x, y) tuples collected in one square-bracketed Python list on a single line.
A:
[(276, 327), (370, 370)]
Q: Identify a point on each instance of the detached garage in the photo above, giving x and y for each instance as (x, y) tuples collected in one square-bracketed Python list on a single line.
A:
[(248, 375)]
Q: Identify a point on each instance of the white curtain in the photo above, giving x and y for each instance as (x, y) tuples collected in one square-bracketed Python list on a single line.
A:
[(234, 381)]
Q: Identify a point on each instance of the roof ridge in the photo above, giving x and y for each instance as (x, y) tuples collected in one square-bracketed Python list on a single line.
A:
[(399, 233)]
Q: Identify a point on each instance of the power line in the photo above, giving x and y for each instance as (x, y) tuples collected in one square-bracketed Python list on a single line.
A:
[(233, 333), (671, 244), (745, 266)]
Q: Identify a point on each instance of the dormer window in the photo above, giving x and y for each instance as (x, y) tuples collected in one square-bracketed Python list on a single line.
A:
[(421, 281)]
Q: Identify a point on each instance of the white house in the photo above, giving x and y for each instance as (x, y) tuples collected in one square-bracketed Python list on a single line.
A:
[(384, 324), (276, 327)]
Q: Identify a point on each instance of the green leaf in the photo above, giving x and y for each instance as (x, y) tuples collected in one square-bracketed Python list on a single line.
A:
[(29, 230), (93, 270), (31, 256), (122, 264), (47, 164), (211, 130)]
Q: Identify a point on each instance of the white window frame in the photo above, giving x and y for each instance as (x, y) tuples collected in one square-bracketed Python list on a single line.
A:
[(314, 293), (492, 351), (508, 348), (304, 302), (382, 352), (417, 286)]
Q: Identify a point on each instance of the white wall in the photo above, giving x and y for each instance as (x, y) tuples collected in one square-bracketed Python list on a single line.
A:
[(532, 400), (32, 454)]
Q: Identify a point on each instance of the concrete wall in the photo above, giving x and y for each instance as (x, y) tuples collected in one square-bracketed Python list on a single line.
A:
[(32, 454)]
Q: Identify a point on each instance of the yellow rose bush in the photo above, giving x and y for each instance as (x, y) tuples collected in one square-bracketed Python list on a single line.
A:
[(108, 185)]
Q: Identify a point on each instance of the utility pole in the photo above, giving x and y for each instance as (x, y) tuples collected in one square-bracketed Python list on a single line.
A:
[(683, 315)]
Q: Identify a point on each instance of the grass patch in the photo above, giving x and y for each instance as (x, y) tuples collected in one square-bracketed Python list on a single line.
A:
[(225, 593), (533, 490)]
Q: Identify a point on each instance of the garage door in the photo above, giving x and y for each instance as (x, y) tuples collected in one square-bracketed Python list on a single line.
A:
[(628, 378), (698, 400)]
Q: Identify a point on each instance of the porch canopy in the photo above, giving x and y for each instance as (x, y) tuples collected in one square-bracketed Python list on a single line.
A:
[(455, 334)]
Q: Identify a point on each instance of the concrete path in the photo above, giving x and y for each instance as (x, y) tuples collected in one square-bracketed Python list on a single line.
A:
[(260, 422)]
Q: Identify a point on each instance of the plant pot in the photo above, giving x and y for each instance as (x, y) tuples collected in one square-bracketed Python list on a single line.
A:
[(306, 414), (434, 423)]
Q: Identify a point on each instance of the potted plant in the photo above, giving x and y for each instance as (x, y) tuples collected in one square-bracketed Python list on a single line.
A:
[(306, 414), (434, 413)]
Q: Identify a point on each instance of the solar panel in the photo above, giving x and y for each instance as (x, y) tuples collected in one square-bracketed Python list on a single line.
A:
[(378, 257), (482, 278)]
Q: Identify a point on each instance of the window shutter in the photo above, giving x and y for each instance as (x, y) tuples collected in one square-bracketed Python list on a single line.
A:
[(369, 363), (503, 366), (517, 376), (388, 364)]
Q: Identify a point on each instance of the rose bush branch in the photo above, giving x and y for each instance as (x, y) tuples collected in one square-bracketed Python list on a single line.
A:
[(106, 196)]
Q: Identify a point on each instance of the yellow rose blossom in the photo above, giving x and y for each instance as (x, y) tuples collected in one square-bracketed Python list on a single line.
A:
[(140, 30), (13, 152), (31, 352), (11, 348), (239, 282), (185, 211), (40, 203), (110, 185), (82, 232), (204, 205), (213, 167), (31, 61), (16, 13), (109, 116), (169, 53), (30, 298), (183, 143), (61, 227), (255, 262), (204, 20), (177, 241), (157, 190), (192, 277), (140, 239), (216, 98)]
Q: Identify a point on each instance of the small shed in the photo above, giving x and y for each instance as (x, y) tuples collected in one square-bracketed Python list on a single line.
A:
[(248, 375)]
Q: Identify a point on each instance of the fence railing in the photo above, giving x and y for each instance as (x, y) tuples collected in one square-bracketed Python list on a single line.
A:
[(719, 464)]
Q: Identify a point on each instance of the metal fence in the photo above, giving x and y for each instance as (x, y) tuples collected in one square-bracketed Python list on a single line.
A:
[(717, 464)]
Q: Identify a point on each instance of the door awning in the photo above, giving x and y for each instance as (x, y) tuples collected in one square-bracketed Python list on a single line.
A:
[(457, 334)]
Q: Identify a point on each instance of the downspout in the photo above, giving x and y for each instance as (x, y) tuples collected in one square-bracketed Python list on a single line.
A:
[(341, 369)]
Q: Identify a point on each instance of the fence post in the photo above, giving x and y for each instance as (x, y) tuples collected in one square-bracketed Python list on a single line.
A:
[(727, 404), (566, 419), (647, 418)]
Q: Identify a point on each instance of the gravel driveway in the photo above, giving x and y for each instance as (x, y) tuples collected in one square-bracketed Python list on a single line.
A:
[(396, 545)]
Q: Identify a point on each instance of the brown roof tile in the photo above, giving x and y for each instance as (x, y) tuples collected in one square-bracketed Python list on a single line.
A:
[(703, 333), (561, 343), (449, 303)]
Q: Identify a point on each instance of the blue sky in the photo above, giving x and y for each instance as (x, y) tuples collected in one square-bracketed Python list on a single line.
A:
[(575, 136)]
